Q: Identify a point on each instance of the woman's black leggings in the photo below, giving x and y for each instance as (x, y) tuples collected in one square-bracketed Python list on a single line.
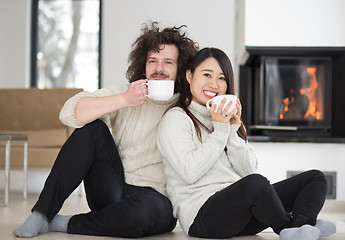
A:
[(252, 204), (117, 209)]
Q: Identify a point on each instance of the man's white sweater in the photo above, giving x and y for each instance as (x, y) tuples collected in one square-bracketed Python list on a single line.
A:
[(196, 170), (134, 131)]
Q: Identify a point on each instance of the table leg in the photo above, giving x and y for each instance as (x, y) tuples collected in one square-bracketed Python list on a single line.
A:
[(7, 171)]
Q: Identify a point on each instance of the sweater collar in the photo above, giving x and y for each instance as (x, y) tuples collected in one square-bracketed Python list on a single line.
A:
[(170, 101), (200, 109)]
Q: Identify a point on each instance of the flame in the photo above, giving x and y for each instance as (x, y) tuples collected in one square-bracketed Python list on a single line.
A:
[(314, 108), (311, 93), (286, 102)]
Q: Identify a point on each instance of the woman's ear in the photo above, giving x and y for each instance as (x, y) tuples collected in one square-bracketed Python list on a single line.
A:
[(189, 75)]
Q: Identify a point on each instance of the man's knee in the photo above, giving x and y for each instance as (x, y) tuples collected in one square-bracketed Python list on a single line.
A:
[(97, 128), (96, 125)]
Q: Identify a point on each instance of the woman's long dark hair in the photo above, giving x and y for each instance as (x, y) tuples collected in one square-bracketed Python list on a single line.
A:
[(186, 96)]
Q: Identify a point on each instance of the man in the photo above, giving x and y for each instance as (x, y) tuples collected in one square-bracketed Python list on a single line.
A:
[(123, 171)]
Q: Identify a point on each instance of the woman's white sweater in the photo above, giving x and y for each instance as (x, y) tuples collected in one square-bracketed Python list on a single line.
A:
[(196, 170), (134, 131)]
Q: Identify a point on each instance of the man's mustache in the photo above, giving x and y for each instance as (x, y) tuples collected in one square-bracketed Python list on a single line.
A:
[(158, 75)]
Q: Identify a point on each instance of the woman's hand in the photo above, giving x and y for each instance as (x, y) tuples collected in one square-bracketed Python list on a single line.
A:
[(135, 94), (236, 118), (220, 115)]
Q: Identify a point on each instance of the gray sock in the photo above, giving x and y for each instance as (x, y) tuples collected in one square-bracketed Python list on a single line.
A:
[(36, 223), (59, 223), (326, 228), (306, 232)]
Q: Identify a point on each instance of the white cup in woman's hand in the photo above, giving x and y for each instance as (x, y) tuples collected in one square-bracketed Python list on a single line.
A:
[(217, 100)]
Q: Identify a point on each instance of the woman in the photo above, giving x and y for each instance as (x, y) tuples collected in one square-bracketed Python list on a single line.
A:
[(210, 167)]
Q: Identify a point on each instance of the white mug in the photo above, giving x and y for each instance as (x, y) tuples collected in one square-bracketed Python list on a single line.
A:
[(160, 89), (217, 100)]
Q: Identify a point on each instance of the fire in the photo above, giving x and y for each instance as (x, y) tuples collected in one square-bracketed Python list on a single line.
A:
[(311, 93), (286, 102)]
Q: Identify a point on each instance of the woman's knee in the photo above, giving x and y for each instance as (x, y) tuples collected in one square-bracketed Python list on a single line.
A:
[(317, 174), (313, 176), (256, 179), (257, 183), (320, 179)]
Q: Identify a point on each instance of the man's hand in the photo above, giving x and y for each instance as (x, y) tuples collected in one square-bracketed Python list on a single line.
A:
[(136, 93), (89, 109)]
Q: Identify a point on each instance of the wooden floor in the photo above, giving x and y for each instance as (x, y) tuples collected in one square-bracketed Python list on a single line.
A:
[(14, 215)]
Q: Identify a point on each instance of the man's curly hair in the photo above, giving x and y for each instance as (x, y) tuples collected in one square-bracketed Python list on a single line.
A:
[(150, 40)]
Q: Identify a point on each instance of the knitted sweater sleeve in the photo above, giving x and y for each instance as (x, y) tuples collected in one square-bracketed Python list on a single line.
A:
[(67, 113), (180, 146), (240, 154)]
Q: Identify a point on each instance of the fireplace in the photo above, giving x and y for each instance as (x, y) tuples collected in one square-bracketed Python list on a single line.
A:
[(294, 94)]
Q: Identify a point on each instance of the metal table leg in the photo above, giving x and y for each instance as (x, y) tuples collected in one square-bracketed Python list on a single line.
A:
[(9, 138), (7, 171)]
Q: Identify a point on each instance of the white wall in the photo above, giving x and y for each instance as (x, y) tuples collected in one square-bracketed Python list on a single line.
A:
[(303, 23), (14, 40), (294, 23), (275, 159), (208, 24)]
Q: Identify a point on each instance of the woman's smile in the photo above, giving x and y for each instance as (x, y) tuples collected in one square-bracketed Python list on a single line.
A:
[(210, 94)]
